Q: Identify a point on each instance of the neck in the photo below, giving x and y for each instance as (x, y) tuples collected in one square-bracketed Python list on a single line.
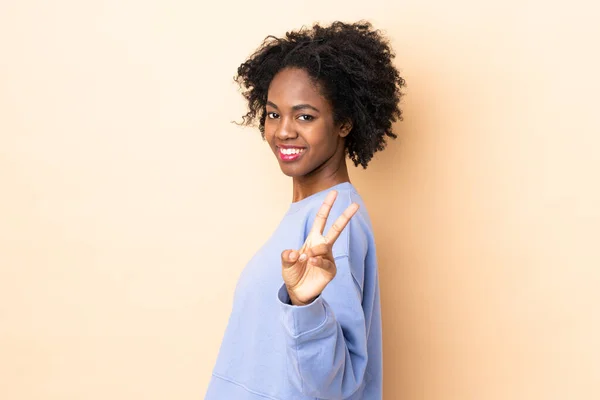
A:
[(305, 186)]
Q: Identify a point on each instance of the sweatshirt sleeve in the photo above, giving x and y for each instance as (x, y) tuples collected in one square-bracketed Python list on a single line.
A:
[(327, 339)]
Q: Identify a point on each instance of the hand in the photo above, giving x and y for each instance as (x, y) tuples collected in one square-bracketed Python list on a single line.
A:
[(307, 271)]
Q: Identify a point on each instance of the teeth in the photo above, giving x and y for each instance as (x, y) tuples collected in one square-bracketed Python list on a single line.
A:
[(291, 151)]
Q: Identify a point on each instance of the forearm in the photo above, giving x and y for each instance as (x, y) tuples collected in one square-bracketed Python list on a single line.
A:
[(326, 343)]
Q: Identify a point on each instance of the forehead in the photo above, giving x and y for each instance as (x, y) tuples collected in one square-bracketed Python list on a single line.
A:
[(292, 86)]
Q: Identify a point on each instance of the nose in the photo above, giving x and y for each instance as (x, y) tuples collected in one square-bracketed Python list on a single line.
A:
[(285, 129)]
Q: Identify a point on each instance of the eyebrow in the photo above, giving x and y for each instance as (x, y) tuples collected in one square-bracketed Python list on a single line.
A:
[(296, 107)]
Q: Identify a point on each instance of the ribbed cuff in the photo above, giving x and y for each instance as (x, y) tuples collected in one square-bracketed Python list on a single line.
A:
[(301, 319)]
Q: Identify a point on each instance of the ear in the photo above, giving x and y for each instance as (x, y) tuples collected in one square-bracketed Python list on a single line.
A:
[(345, 128)]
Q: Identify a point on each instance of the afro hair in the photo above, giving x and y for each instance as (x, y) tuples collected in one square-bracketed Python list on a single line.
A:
[(352, 64)]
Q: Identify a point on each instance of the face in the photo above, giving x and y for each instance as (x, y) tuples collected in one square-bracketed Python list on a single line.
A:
[(300, 128)]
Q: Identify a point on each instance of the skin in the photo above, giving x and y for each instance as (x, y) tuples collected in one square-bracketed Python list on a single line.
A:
[(298, 115), (307, 271)]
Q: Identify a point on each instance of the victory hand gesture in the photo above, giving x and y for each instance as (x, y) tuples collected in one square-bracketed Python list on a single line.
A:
[(307, 271)]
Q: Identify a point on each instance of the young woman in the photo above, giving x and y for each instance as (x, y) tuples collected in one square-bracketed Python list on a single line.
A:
[(306, 319)]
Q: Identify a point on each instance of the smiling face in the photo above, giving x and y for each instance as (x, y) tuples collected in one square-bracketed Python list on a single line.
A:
[(300, 128)]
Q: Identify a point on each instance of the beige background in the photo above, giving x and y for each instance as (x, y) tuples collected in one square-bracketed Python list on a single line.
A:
[(129, 203)]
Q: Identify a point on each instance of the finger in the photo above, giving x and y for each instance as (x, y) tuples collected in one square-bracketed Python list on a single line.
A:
[(340, 223), (304, 247), (318, 250), (288, 258), (320, 262), (316, 261), (323, 213)]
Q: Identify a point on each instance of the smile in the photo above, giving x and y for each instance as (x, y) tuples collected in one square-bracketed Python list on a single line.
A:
[(290, 154)]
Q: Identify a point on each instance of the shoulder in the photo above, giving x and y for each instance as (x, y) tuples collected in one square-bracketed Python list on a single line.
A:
[(355, 238), (357, 235), (351, 250)]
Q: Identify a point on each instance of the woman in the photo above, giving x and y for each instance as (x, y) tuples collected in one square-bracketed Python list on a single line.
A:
[(306, 319)]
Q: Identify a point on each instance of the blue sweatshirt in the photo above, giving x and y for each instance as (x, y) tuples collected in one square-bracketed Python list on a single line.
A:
[(328, 349)]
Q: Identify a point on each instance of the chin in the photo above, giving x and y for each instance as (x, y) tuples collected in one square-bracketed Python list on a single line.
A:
[(292, 172)]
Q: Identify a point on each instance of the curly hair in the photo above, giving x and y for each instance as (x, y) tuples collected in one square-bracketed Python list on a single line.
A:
[(352, 64)]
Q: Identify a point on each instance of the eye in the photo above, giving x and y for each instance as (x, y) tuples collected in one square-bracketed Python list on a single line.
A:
[(306, 117), (272, 115)]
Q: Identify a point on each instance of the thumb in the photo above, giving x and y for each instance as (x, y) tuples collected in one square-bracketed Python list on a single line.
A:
[(289, 258)]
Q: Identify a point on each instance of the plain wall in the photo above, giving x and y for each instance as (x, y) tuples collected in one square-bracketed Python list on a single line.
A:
[(129, 202)]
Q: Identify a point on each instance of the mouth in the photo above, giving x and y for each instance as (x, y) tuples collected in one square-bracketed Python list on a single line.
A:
[(290, 154)]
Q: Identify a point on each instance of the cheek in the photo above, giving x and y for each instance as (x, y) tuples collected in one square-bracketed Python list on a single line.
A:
[(268, 132), (323, 140)]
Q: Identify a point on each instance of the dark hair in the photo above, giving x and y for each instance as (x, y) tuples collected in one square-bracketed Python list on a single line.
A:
[(352, 65)]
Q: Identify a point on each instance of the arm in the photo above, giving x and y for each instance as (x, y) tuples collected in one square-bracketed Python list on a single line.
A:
[(327, 339), (322, 306)]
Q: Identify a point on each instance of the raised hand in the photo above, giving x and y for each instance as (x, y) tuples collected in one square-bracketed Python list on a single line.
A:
[(307, 271)]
